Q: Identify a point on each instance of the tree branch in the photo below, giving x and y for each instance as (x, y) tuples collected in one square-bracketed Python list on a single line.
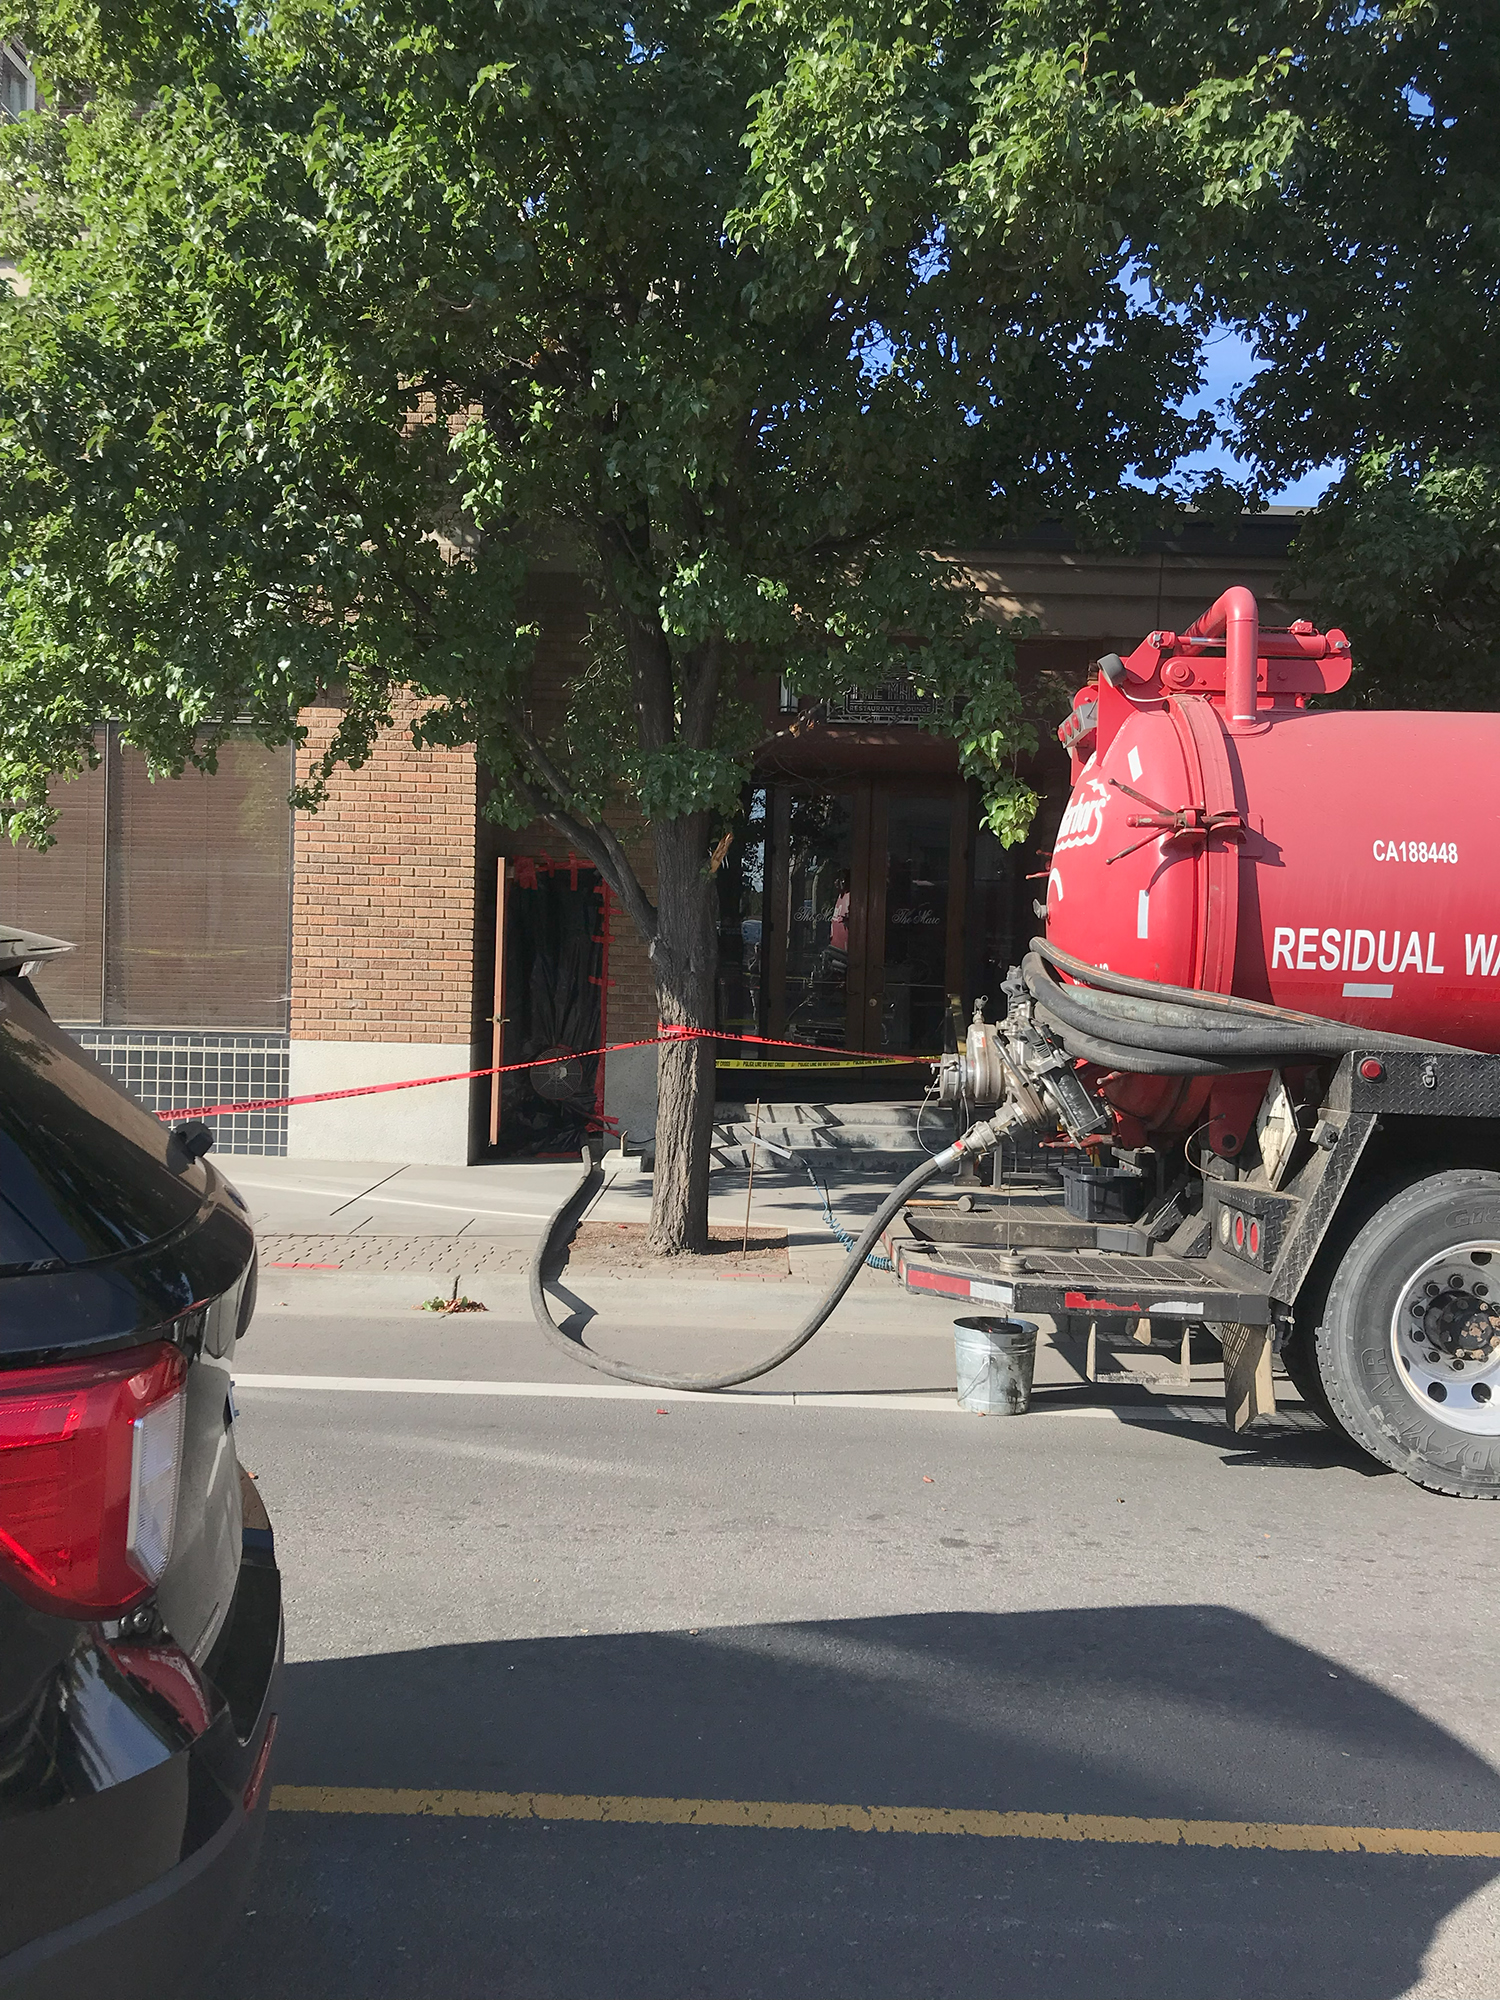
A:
[(602, 848), (593, 838), (700, 709), (646, 648)]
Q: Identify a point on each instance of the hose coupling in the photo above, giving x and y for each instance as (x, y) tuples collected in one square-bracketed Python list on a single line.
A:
[(982, 1138)]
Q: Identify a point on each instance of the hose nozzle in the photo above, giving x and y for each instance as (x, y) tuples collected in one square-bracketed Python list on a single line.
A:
[(984, 1137), (987, 1134)]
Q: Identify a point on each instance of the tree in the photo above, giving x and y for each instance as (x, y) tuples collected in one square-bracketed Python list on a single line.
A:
[(1370, 283), (1324, 177), (336, 310), (1381, 323)]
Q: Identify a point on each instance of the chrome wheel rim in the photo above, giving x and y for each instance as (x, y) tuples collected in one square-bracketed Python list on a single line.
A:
[(1445, 1337)]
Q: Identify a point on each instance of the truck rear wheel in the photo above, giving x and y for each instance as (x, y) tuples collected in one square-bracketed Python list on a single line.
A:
[(1409, 1345)]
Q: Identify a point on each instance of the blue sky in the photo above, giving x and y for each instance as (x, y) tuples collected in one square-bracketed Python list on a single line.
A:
[(1229, 360)]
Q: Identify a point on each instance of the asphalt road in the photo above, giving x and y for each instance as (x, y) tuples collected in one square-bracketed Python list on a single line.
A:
[(1062, 1614)]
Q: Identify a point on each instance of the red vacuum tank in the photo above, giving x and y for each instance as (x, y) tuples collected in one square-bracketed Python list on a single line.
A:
[(1222, 836)]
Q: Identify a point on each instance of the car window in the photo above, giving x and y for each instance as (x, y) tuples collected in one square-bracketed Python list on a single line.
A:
[(21, 1248), (82, 1166)]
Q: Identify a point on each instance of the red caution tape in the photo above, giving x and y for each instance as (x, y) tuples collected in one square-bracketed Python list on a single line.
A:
[(668, 1034)]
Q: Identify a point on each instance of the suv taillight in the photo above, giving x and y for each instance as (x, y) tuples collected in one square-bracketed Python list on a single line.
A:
[(90, 1455)]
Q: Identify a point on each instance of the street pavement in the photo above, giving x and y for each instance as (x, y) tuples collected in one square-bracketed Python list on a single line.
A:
[(524, 1625)]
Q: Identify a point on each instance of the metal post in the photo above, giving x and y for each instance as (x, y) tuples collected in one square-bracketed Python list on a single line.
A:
[(497, 1025), (750, 1184)]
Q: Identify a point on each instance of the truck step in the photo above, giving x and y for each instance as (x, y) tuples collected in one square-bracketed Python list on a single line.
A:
[(1101, 1282)]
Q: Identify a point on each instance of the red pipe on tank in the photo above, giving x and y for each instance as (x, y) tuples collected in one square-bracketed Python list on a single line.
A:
[(1236, 617)]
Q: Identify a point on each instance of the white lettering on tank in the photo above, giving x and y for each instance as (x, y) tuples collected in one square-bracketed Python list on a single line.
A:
[(1308, 950), (1054, 880), (1134, 761), (1416, 850), (1083, 822), (1143, 913), (1480, 954)]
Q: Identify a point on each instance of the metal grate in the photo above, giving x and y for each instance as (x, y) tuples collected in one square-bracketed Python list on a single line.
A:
[(174, 1069)]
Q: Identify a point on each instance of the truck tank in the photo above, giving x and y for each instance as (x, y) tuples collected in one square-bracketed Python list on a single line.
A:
[(1221, 836)]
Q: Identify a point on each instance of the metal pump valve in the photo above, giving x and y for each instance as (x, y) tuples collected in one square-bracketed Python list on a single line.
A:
[(1017, 1065)]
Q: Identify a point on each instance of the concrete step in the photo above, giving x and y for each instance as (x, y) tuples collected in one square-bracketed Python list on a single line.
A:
[(860, 1117), (872, 1138), (822, 1159), (876, 1137), (838, 1139)]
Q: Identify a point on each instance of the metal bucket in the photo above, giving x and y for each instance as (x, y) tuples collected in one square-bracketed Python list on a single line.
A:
[(995, 1358)]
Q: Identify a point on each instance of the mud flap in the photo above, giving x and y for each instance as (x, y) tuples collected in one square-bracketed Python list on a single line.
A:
[(1248, 1389)]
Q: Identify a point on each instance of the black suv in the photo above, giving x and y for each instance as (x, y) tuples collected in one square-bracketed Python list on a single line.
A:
[(140, 1604)]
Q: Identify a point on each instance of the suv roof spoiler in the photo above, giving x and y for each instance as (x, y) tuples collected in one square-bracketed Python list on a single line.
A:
[(20, 950)]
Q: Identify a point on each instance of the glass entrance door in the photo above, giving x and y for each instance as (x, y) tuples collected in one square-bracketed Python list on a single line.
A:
[(820, 898), (908, 983), (841, 919)]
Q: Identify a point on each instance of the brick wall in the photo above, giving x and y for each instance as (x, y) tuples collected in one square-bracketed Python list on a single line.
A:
[(561, 607), (631, 1000), (384, 894)]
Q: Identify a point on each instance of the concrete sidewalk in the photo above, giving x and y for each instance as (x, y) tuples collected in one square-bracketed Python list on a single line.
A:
[(349, 1251), (371, 1217)]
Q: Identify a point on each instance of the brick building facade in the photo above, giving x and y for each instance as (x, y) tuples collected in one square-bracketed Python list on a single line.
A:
[(386, 948), (862, 898)]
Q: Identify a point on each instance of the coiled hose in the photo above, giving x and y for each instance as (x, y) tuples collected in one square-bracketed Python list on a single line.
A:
[(564, 1217), (1151, 1029), (836, 1228)]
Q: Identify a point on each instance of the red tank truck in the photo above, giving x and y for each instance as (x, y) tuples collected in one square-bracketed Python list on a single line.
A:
[(1265, 1015)]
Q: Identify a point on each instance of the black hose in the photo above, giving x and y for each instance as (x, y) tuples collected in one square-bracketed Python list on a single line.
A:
[(1257, 1045), (1112, 992), (546, 1262), (1138, 1062), (1136, 1018), (1144, 1028), (1157, 990)]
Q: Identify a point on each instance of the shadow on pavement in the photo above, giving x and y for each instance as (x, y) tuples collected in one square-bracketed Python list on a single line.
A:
[(1163, 1710), (1273, 1450)]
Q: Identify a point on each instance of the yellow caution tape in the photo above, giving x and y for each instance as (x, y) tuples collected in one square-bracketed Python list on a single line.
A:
[(819, 1062)]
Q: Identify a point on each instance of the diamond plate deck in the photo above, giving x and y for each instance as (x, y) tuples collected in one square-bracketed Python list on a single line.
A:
[(1078, 1281)]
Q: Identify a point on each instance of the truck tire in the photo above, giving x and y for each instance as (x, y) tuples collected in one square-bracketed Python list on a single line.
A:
[(1300, 1359), (1409, 1346)]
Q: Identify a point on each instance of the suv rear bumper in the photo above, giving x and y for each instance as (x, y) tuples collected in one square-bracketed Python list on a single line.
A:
[(151, 1941)]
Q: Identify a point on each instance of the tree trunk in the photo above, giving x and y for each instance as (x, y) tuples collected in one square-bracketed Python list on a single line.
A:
[(684, 960)]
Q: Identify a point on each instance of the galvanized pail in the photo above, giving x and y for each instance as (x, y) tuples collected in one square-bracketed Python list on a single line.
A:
[(995, 1360)]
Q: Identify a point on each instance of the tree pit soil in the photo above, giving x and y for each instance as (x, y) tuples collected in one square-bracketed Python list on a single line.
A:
[(620, 1249)]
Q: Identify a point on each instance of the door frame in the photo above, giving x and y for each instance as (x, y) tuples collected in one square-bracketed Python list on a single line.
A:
[(870, 797)]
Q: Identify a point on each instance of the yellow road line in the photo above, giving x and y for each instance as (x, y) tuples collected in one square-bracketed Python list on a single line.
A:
[(780, 1815)]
